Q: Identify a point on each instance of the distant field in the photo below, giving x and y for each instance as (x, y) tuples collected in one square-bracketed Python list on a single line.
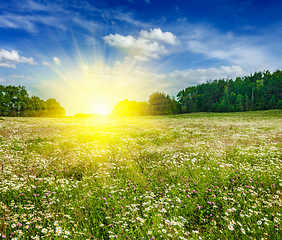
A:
[(194, 176)]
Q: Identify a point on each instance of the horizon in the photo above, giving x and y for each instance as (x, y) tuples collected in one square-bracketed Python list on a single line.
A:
[(91, 56)]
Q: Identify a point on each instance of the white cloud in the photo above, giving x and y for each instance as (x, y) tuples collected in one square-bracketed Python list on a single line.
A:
[(7, 65), (60, 20), (8, 59), (90, 40), (127, 17), (57, 61), (20, 76), (147, 46), (88, 25), (192, 77), (142, 49), (159, 36), (31, 6), (2, 80), (17, 22), (28, 22), (253, 53), (235, 52), (45, 63)]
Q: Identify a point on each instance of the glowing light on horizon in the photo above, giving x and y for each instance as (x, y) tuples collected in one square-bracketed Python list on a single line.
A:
[(100, 109)]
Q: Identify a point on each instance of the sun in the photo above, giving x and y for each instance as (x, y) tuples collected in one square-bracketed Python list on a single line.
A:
[(100, 109)]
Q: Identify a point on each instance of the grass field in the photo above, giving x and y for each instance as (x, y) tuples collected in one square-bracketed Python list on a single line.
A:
[(196, 176)]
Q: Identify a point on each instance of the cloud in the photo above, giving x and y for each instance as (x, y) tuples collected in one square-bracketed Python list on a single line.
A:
[(17, 22), (147, 46), (88, 25), (2, 80), (254, 53), (127, 17), (28, 22), (7, 65), (90, 40), (192, 77), (20, 76), (142, 49), (57, 61), (28, 14), (159, 36), (239, 52), (8, 59), (31, 6), (45, 63)]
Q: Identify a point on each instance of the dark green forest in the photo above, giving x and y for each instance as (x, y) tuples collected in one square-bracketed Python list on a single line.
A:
[(260, 91), (15, 102)]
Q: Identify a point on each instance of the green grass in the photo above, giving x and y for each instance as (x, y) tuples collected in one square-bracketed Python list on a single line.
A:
[(207, 175)]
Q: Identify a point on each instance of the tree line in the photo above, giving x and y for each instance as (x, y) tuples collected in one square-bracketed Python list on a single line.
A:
[(15, 102), (158, 104), (259, 91)]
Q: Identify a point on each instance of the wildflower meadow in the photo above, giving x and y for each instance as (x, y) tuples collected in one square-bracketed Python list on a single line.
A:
[(194, 176)]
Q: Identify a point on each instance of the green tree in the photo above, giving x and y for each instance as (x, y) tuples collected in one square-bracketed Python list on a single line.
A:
[(54, 109), (131, 108), (272, 102), (162, 104)]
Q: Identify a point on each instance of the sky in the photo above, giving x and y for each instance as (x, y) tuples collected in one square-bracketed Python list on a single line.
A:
[(89, 55)]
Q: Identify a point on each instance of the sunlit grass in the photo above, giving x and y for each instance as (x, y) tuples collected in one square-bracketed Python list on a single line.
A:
[(209, 176)]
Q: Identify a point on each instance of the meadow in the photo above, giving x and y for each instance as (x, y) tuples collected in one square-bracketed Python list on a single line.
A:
[(194, 176)]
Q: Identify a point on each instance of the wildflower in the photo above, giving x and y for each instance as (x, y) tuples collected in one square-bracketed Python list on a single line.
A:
[(163, 230), (259, 222), (230, 227), (150, 232), (232, 222), (243, 230), (173, 223), (44, 230), (58, 230)]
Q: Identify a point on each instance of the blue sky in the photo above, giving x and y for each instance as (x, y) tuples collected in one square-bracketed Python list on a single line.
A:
[(89, 55)]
